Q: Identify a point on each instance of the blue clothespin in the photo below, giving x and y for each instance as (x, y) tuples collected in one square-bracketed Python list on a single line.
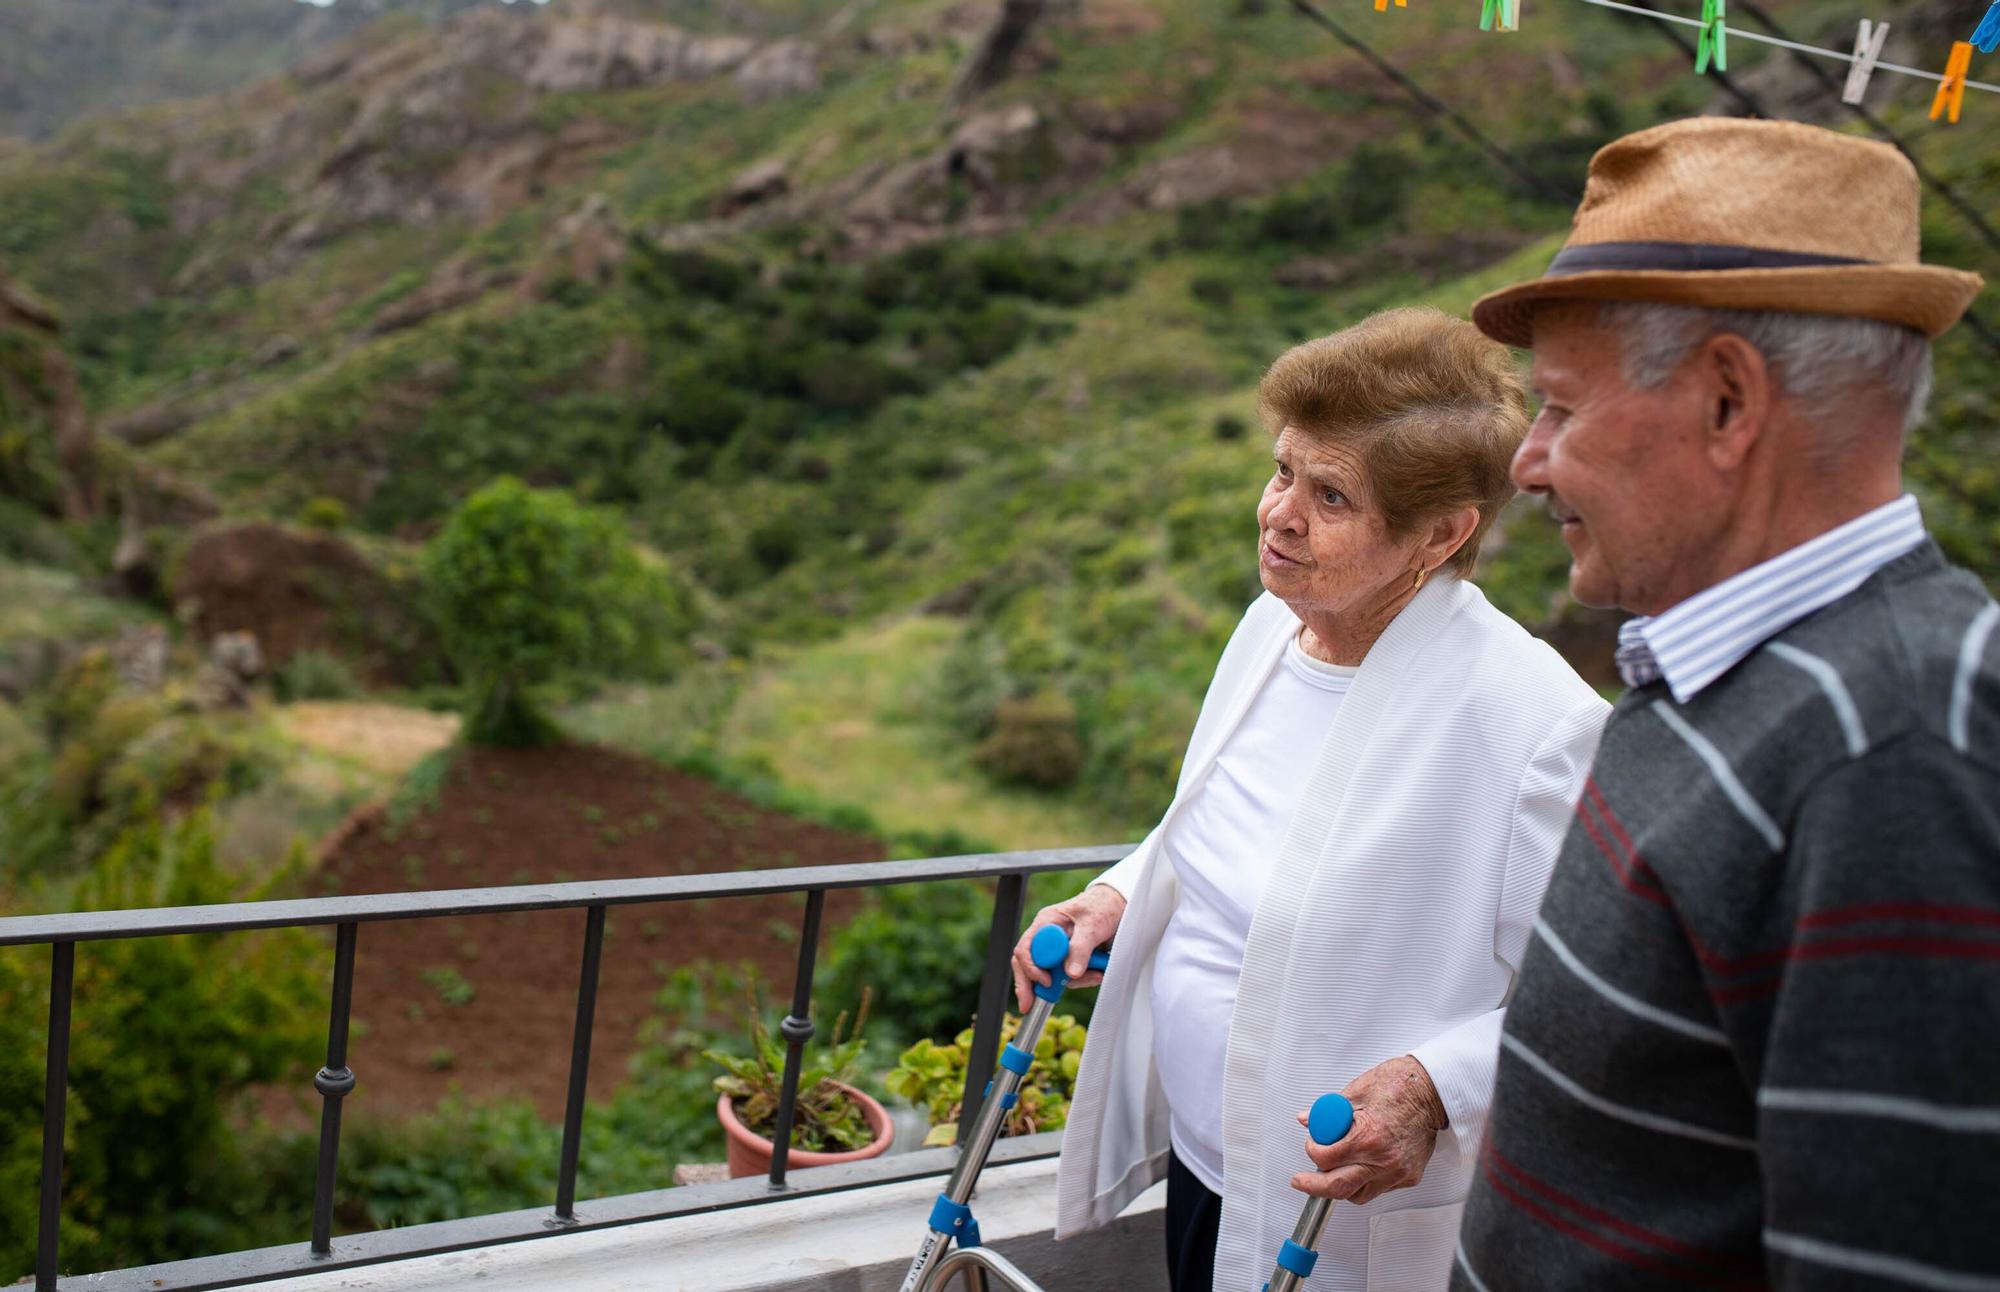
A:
[(1987, 38), (1508, 13), (1714, 38)]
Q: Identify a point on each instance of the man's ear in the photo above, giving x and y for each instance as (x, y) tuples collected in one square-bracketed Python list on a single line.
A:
[(1737, 391)]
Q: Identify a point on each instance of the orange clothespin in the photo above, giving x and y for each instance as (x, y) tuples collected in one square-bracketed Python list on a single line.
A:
[(1951, 94), (1382, 6)]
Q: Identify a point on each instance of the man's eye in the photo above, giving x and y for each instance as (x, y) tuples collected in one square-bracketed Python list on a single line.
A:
[(1284, 472), (1332, 497)]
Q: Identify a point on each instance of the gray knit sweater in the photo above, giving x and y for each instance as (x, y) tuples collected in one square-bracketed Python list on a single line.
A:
[(1756, 1038)]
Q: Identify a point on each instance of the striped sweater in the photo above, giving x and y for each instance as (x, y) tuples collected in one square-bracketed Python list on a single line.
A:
[(1756, 1036)]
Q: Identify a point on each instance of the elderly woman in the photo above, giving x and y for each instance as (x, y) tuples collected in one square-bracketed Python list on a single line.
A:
[(1367, 814)]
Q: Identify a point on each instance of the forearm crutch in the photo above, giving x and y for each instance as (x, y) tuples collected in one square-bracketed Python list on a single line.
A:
[(951, 1219)]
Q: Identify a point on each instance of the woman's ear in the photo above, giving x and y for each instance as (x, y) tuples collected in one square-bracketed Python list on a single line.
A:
[(1448, 533)]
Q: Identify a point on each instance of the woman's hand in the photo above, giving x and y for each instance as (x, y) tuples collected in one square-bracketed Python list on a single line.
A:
[(1397, 1117), (1090, 918)]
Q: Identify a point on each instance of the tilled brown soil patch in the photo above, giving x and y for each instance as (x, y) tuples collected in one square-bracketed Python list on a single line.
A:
[(486, 1004)]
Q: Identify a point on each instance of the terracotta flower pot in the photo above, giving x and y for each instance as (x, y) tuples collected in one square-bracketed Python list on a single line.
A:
[(750, 1154)]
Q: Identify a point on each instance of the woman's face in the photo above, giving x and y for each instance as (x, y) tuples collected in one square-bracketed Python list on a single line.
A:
[(1325, 549)]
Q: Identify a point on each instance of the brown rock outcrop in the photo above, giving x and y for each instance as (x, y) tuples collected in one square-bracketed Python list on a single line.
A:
[(297, 590)]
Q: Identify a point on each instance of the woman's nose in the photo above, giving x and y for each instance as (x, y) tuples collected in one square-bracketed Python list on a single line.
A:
[(1281, 514)]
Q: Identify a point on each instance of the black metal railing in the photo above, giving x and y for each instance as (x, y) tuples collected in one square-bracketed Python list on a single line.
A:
[(335, 1080)]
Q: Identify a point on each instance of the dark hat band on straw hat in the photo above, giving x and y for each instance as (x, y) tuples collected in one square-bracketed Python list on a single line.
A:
[(1687, 257)]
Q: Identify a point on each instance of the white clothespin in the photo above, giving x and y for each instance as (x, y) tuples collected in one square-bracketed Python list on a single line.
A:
[(1867, 52)]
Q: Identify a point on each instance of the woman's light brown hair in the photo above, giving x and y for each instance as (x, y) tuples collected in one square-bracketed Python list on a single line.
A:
[(1434, 408)]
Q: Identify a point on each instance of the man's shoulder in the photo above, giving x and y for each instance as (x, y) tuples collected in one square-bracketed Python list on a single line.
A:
[(1914, 649)]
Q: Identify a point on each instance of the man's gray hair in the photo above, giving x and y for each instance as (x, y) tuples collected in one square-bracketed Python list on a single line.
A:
[(1828, 363)]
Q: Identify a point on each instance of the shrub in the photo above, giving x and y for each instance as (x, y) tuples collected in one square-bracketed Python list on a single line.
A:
[(167, 1035), (314, 675), (924, 986), (776, 543), (991, 331), (1211, 289), (841, 378), (324, 513), (529, 585), (1033, 742)]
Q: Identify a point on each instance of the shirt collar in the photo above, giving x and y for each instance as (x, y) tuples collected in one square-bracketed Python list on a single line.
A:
[(1703, 637)]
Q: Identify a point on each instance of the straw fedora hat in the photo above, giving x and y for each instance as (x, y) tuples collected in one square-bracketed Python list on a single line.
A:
[(1740, 214)]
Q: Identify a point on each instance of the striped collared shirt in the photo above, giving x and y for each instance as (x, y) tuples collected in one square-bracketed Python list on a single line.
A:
[(1705, 636)]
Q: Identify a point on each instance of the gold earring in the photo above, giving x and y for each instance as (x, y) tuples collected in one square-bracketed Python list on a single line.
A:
[(1421, 572)]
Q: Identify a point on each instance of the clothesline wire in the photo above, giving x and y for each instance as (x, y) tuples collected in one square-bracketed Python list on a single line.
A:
[(1786, 43), (1438, 108)]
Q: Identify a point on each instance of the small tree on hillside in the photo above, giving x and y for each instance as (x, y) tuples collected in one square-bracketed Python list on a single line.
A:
[(529, 585)]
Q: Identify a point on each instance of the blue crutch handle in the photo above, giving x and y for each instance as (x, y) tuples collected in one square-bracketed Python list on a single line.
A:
[(1331, 1117), (1049, 949)]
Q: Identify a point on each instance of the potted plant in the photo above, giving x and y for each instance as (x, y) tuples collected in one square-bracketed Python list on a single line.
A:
[(832, 1121), (932, 1077)]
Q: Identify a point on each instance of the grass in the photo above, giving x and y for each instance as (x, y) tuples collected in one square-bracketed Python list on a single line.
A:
[(37, 603), (852, 720)]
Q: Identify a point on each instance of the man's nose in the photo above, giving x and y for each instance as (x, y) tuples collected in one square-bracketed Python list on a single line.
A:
[(1530, 469)]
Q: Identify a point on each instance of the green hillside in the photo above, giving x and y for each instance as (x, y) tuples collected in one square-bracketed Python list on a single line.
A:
[(990, 360)]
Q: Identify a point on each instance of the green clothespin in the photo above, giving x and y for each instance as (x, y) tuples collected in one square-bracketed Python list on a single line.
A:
[(1714, 38), (1508, 12)]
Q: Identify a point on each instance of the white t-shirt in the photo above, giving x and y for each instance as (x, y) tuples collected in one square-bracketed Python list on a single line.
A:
[(1222, 847)]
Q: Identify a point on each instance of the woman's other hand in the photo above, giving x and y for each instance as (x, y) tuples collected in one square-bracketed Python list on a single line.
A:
[(1397, 1117), (1090, 918)]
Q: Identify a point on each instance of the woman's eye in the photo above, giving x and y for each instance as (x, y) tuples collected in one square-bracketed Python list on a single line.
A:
[(1332, 497), (1284, 472)]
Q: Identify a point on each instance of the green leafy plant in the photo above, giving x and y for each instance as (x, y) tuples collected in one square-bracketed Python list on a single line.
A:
[(932, 1076), (827, 1119), (529, 584), (315, 675), (169, 1035)]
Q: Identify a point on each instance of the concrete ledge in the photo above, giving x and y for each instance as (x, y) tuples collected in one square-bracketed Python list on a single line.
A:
[(860, 1240)]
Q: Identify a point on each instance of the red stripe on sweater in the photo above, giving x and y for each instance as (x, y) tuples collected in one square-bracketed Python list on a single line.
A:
[(1609, 1246), (1940, 948), (1639, 866), (1928, 912), (1618, 867), (1625, 1227)]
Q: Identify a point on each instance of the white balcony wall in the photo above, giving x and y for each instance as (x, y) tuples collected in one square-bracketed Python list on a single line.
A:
[(860, 1240)]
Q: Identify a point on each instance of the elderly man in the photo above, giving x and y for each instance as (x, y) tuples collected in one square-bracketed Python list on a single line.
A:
[(1756, 1036)]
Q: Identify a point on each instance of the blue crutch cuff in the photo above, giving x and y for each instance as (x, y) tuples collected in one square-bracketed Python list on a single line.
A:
[(1299, 1260), (1016, 1059)]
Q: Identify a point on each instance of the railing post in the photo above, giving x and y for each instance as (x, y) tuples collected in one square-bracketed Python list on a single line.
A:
[(55, 1112), (579, 1065), (333, 1082), (1010, 896), (797, 1029)]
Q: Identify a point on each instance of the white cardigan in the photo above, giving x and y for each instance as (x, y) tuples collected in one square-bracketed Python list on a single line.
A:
[(1394, 920)]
